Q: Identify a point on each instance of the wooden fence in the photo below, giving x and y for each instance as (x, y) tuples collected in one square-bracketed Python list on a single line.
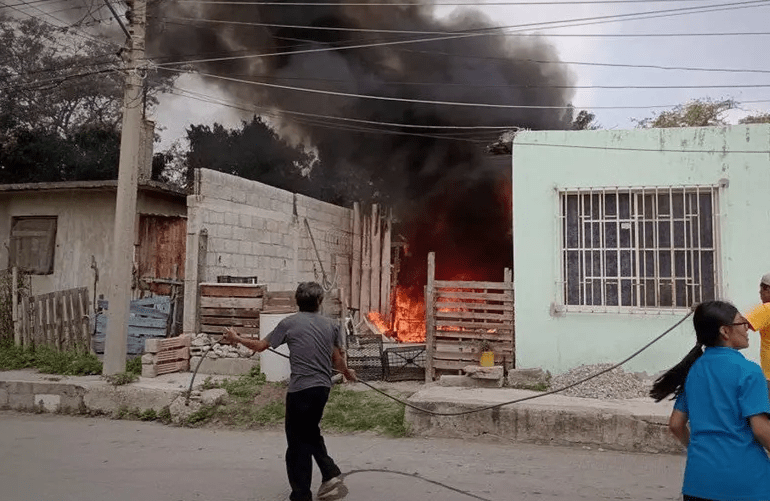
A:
[(462, 315), (58, 320)]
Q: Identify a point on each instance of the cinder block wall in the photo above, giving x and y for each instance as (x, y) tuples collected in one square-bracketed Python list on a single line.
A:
[(257, 230)]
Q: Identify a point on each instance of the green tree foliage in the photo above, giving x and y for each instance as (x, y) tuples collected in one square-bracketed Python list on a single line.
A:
[(696, 113), (761, 118), (254, 152), (60, 104)]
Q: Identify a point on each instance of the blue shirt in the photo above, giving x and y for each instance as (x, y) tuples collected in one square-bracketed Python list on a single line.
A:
[(724, 460)]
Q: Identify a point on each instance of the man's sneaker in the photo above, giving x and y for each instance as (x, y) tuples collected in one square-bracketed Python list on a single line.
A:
[(329, 486)]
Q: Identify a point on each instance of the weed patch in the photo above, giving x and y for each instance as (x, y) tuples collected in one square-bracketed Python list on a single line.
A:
[(134, 365), (121, 378), (349, 411), (49, 361)]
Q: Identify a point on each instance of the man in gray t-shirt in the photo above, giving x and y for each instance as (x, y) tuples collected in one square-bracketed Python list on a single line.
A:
[(315, 344)]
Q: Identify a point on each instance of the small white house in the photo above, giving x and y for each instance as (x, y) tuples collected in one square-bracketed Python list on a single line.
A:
[(618, 233)]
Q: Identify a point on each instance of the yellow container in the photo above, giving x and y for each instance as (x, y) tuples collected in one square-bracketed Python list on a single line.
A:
[(487, 359)]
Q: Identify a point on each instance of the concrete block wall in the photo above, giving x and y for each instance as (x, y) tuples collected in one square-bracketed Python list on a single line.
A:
[(257, 230)]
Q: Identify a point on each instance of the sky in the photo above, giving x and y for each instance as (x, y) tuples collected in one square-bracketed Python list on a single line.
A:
[(615, 108), (598, 43)]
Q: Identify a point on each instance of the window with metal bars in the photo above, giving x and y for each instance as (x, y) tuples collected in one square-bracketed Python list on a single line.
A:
[(639, 248)]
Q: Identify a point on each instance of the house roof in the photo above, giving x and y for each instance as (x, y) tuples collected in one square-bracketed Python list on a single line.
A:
[(110, 185)]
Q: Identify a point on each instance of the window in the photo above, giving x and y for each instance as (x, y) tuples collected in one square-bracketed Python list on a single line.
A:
[(638, 248), (33, 240)]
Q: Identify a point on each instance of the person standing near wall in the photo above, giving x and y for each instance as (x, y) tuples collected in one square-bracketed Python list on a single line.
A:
[(315, 344), (724, 398), (759, 318)]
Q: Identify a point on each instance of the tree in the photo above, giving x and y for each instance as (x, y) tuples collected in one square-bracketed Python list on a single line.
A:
[(254, 152), (696, 113), (761, 118), (60, 94)]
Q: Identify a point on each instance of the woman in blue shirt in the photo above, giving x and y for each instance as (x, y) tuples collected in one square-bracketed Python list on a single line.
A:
[(724, 397)]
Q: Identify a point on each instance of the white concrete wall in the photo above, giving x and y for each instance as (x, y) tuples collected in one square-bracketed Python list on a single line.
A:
[(545, 161), (85, 225), (258, 230)]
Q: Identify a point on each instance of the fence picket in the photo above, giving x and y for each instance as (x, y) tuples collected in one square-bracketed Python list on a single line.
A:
[(58, 319)]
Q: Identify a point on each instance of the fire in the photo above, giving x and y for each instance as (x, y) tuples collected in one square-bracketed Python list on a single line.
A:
[(408, 318)]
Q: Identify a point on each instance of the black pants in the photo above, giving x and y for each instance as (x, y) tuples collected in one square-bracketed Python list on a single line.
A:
[(304, 410)]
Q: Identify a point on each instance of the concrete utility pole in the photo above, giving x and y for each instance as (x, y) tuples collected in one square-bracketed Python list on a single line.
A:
[(125, 205)]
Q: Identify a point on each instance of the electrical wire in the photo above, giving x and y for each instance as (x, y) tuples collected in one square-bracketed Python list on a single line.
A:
[(414, 101), (322, 121), (543, 24), (494, 406), (486, 31)]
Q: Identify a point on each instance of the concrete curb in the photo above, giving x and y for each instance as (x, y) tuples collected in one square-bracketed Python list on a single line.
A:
[(32, 391), (637, 425)]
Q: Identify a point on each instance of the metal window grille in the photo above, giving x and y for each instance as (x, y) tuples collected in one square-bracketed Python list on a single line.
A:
[(638, 248)]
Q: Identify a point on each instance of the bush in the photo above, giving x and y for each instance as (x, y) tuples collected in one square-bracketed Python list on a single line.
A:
[(49, 361), (134, 365)]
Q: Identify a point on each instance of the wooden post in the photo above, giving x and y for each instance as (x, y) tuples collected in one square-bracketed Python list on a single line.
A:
[(366, 266), (15, 306), (385, 268), (376, 247), (355, 279), (509, 283), (430, 318)]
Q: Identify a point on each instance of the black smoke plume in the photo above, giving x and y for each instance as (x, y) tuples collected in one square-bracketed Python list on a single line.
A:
[(447, 194)]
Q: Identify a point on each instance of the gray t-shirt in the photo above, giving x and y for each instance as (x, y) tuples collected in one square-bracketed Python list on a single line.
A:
[(311, 338)]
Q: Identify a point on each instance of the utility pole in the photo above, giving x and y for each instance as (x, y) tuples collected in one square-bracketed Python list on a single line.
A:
[(119, 294)]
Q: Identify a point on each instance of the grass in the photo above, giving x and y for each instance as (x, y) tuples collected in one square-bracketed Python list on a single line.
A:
[(352, 411), (122, 378), (49, 361), (253, 402)]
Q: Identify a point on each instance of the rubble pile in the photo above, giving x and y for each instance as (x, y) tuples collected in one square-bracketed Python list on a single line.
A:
[(203, 343), (615, 384)]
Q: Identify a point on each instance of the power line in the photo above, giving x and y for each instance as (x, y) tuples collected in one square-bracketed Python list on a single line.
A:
[(414, 101), (513, 86), (419, 4), (245, 107), (485, 31), (70, 29)]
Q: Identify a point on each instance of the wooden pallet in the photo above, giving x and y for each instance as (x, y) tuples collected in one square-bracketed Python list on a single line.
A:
[(231, 305)]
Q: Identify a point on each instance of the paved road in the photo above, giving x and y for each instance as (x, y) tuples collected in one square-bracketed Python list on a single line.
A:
[(62, 458)]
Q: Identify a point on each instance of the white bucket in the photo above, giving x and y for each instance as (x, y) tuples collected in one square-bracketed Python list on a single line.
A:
[(274, 367)]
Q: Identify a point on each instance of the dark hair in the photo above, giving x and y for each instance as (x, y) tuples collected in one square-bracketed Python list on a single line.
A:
[(708, 318), (309, 296)]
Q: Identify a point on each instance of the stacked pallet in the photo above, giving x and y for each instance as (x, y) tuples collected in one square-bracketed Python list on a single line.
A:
[(163, 356), (231, 305), (280, 302)]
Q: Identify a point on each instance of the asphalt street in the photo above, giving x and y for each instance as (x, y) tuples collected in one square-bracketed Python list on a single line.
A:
[(62, 458)]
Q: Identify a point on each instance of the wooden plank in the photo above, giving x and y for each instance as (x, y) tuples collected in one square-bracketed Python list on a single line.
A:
[(226, 302), (219, 329), (58, 313), (471, 315), (243, 322), (232, 290), (481, 324), (147, 322), (472, 347), (82, 311), (446, 284), (490, 336), (147, 312), (230, 312), (505, 297), (168, 367), (430, 318), (474, 306), (26, 331)]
